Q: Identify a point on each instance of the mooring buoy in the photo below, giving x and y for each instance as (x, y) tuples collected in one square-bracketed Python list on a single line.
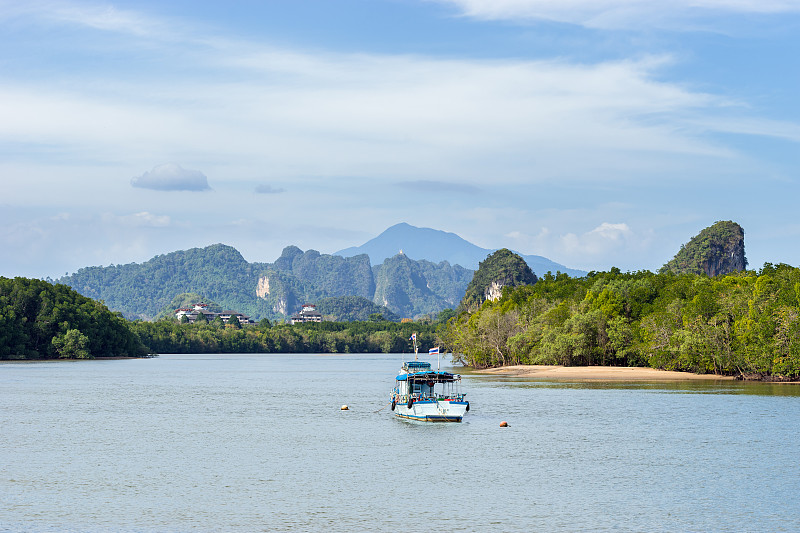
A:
[(345, 408), (503, 424)]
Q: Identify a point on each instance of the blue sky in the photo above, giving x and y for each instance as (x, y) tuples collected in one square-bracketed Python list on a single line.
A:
[(597, 133)]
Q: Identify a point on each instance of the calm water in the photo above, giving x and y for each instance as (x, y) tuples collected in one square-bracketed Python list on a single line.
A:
[(258, 443)]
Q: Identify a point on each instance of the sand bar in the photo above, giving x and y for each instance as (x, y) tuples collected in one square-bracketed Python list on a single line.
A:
[(597, 373)]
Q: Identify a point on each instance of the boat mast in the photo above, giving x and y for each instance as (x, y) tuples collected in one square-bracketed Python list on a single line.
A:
[(414, 337)]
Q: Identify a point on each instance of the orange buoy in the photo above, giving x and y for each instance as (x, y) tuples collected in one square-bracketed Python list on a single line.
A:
[(503, 424), (345, 408)]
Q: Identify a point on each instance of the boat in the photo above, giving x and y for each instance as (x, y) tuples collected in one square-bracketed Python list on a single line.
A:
[(427, 395)]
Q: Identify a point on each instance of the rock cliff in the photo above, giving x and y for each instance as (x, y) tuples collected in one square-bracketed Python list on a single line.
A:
[(500, 269), (716, 250)]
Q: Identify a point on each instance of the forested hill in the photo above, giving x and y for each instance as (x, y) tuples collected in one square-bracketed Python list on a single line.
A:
[(716, 250), (501, 269), (217, 272), (399, 288), (39, 320)]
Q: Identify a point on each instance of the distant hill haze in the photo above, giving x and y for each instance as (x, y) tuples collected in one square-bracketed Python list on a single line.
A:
[(427, 277), (716, 250), (347, 288), (436, 246), (350, 285)]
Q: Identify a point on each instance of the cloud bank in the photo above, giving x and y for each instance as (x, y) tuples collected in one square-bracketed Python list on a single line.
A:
[(389, 117), (171, 177), (611, 14)]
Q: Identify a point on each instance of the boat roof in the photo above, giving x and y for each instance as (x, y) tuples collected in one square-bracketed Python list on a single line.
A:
[(430, 375), (416, 365)]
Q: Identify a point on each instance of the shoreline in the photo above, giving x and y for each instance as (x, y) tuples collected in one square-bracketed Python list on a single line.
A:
[(597, 373), (68, 360)]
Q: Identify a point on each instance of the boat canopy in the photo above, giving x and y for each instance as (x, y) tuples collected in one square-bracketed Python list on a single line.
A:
[(438, 377), (416, 365)]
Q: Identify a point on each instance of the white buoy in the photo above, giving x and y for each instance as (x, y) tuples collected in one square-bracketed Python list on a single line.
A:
[(345, 408)]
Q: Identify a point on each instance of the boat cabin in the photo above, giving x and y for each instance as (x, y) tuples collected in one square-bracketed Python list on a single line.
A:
[(418, 381)]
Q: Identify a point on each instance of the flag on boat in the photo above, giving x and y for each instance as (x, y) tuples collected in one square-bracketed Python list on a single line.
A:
[(413, 337), (433, 351)]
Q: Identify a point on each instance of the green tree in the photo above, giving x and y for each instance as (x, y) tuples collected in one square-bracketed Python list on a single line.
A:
[(72, 345)]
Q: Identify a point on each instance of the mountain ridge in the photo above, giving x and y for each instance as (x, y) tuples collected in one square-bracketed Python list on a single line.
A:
[(436, 245), (218, 272)]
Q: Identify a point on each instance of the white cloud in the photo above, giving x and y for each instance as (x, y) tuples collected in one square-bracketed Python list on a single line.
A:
[(102, 17), (610, 232), (603, 240), (393, 117), (617, 13), (143, 219), (171, 177), (607, 244), (398, 118)]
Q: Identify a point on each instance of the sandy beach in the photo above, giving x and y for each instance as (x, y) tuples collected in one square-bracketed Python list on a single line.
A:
[(597, 373)]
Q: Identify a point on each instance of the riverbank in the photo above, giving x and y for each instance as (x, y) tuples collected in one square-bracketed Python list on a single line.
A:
[(597, 373)]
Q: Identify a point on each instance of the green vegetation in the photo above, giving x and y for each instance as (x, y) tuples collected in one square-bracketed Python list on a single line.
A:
[(350, 308), (39, 320), (503, 268), (744, 323), (169, 336), (718, 249)]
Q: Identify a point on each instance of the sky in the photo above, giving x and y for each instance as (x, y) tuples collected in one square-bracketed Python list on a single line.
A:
[(597, 133)]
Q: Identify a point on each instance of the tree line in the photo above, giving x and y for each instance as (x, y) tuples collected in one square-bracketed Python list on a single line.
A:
[(170, 336), (744, 324), (41, 320)]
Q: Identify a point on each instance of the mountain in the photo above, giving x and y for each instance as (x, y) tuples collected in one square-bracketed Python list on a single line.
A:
[(424, 279), (436, 246), (345, 287), (333, 275), (413, 288), (502, 268), (716, 250), (143, 290)]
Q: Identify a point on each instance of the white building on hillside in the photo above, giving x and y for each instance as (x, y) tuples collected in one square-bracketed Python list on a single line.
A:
[(307, 314)]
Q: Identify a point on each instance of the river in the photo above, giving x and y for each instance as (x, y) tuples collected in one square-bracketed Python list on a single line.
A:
[(185, 443)]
